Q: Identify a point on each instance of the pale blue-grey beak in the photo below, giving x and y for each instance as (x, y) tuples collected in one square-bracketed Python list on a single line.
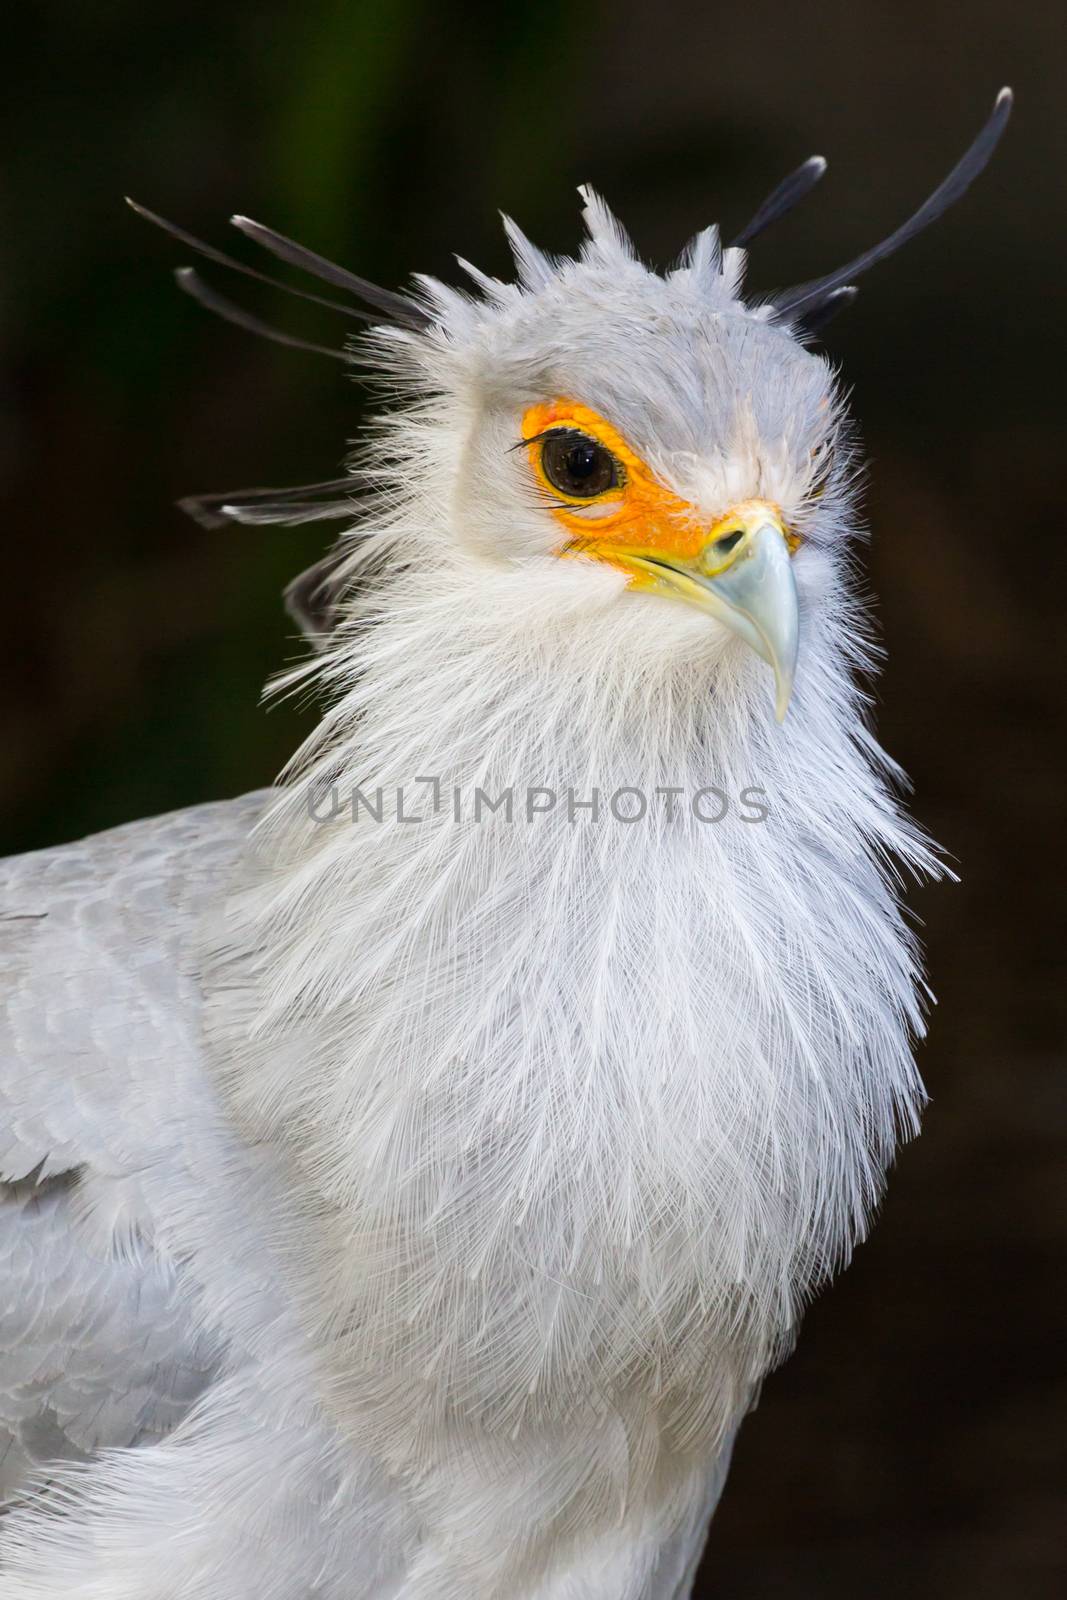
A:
[(744, 577), (756, 596)]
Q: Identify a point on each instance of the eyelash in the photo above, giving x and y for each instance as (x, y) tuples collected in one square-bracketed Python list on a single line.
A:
[(534, 438), (539, 438)]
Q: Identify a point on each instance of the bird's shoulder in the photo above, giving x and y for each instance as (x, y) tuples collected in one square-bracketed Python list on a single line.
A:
[(100, 1091), (99, 980)]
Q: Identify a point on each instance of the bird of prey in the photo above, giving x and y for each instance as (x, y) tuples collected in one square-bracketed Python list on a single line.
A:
[(410, 1173)]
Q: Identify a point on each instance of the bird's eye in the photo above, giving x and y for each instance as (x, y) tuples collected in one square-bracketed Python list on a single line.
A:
[(577, 465)]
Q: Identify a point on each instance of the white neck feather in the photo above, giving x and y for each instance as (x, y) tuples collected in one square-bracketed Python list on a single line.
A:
[(582, 1109)]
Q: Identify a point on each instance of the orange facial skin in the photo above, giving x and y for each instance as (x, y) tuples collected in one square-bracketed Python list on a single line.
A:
[(639, 516)]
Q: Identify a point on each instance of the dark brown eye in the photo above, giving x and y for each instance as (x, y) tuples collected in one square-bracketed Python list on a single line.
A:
[(577, 465)]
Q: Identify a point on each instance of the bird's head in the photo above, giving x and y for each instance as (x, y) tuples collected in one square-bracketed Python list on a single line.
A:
[(678, 449), (679, 453)]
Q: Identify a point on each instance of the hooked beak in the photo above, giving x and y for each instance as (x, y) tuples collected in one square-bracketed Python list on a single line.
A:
[(743, 575)]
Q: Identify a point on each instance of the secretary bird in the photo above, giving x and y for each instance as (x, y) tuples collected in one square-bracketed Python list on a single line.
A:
[(410, 1174)]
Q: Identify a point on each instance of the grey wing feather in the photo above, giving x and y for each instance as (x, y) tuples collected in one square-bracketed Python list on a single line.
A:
[(99, 1023), (93, 1350)]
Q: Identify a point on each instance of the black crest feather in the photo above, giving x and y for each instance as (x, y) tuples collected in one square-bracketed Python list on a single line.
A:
[(803, 300), (259, 508), (788, 193), (312, 599), (387, 306), (396, 307), (221, 259), (190, 281)]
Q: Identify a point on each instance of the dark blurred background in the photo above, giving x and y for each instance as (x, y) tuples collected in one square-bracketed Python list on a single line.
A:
[(913, 1446)]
